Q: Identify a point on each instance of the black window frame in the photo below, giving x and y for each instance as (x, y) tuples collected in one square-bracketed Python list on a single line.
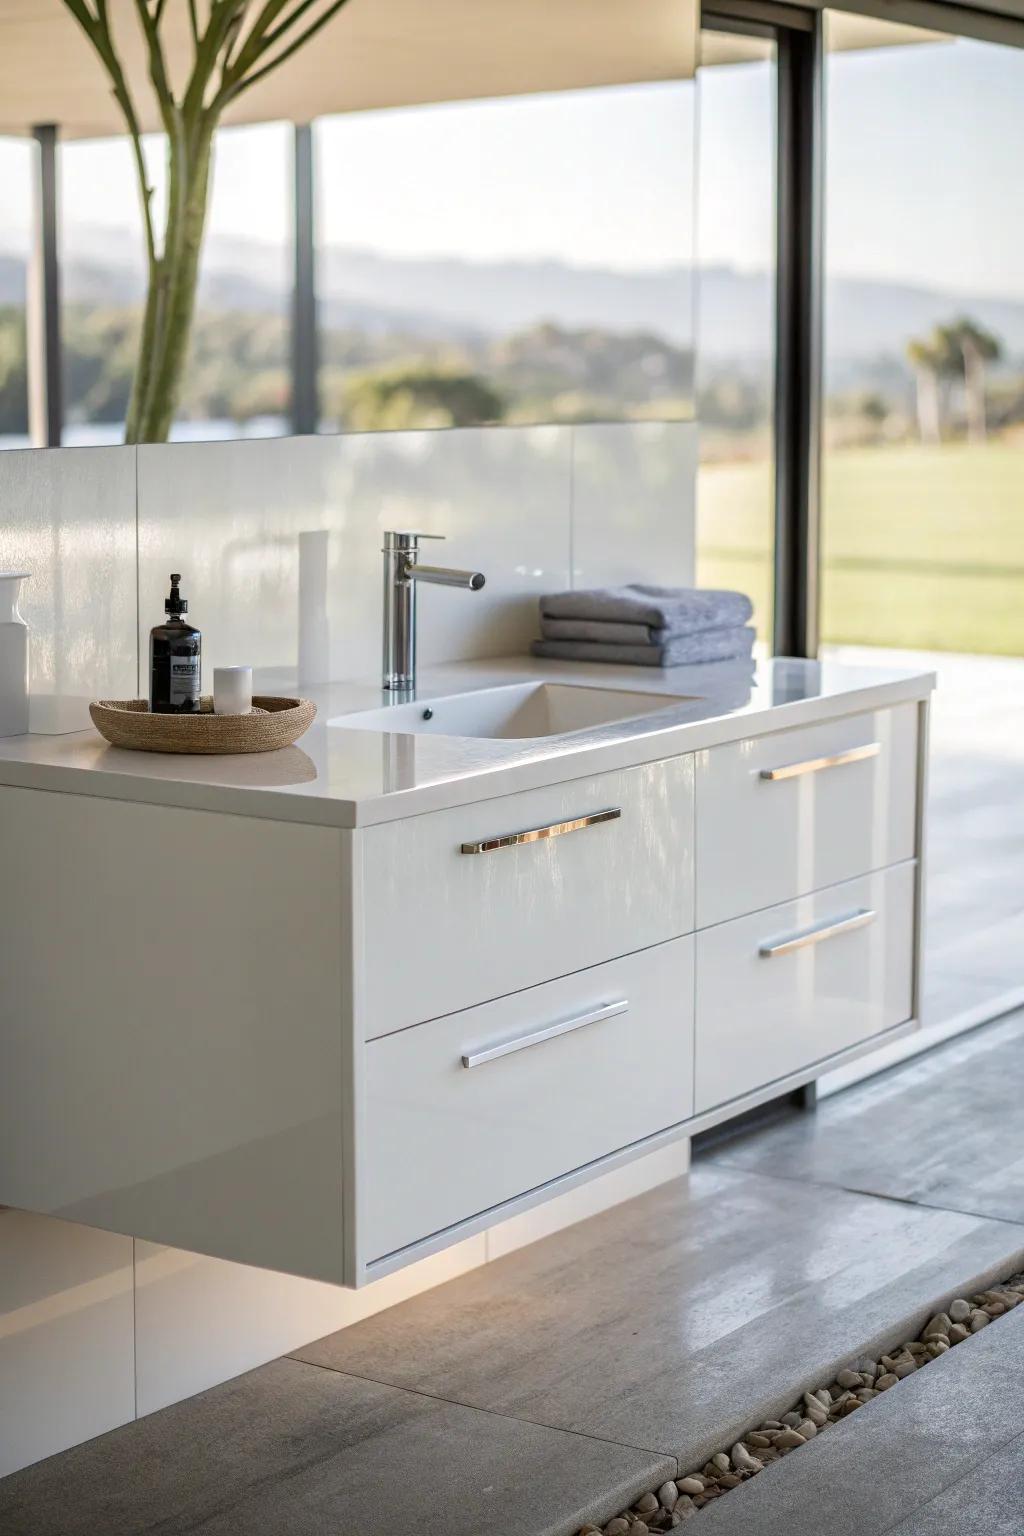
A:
[(797, 33)]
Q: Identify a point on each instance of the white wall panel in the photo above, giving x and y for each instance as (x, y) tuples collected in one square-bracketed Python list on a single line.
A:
[(634, 503), (67, 1368), (68, 517), (278, 542), (200, 1321)]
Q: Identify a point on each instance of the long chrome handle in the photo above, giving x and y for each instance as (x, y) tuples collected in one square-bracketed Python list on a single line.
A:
[(549, 1032), (816, 764), (829, 930), (540, 834)]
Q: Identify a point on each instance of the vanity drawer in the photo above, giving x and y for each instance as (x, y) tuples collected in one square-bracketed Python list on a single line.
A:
[(779, 816), (456, 914), (794, 984), (470, 1111)]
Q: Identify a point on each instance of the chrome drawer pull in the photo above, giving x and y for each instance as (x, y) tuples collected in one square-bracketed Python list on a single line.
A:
[(539, 834), (492, 1052), (827, 930), (816, 764)]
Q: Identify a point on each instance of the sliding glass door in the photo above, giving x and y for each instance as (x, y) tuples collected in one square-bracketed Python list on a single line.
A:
[(923, 483), (916, 534)]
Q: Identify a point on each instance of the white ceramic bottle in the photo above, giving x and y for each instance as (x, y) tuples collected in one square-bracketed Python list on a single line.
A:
[(13, 657)]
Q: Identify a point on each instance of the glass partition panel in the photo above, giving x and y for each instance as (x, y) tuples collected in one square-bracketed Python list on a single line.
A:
[(923, 533), (15, 223), (736, 317), (516, 261)]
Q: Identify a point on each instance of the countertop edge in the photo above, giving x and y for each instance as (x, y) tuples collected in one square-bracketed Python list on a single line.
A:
[(573, 761)]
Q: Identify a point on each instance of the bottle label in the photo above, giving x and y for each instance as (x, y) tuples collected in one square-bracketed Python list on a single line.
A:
[(184, 679)]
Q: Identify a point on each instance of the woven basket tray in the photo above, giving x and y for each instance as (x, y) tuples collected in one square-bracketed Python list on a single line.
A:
[(273, 723)]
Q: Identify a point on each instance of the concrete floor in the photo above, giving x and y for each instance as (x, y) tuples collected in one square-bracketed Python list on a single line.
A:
[(556, 1384), (941, 1456)]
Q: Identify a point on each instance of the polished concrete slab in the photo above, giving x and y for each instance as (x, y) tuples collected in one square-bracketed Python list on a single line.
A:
[(674, 1322), (944, 1130), (292, 1450), (915, 1460), (988, 1502)]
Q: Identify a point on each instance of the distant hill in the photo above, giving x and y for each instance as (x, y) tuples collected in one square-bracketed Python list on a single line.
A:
[(865, 318), (447, 297)]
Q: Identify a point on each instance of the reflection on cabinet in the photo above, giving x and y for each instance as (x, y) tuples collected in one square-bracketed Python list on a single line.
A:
[(330, 1052)]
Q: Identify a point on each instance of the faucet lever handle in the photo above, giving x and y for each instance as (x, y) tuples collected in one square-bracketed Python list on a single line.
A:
[(406, 539)]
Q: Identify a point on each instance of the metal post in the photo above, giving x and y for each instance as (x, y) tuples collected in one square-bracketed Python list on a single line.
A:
[(798, 367), (305, 348), (806, 1098), (43, 342)]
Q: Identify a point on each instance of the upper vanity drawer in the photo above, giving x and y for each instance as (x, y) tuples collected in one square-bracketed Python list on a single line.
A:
[(782, 815), (472, 903)]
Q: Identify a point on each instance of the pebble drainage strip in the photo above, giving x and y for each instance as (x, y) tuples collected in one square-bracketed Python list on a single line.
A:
[(683, 1497)]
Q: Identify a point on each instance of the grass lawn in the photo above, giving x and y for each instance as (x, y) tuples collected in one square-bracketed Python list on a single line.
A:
[(923, 548)]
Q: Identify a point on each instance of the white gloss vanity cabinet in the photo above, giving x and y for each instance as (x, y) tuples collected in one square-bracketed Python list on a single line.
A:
[(330, 1050)]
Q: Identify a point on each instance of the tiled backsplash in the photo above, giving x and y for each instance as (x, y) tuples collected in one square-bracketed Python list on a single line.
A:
[(67, 516), (278, 541)]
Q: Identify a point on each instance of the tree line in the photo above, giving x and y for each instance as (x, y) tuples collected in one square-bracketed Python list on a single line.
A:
[(238, 371), (959, 352)]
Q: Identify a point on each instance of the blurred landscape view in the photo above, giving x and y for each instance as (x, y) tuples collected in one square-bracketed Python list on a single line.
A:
[(404, 343), (924, 399), (923, 472)]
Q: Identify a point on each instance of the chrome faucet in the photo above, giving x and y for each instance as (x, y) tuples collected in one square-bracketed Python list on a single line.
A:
[(402, 570)]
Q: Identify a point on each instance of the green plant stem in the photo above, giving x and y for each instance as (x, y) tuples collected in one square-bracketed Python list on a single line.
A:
[(228, 58), (168, 349)]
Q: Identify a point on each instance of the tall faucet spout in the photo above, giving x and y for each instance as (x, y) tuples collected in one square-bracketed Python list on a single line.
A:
[(402, 574)]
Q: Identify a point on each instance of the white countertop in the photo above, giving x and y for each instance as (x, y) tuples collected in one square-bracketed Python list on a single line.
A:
[(347, 778)]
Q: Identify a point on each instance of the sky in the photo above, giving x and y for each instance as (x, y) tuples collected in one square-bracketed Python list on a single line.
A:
[(923, 182)]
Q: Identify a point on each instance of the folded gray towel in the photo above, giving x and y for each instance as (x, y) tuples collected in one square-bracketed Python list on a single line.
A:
[(683, 610), (601, 631), (682, 651)]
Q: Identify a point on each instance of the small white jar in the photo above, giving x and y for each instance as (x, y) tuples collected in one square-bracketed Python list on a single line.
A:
[(232, 690), (13, 657)]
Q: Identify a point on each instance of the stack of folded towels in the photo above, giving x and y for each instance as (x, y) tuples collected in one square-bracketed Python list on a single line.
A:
[(645, 626)]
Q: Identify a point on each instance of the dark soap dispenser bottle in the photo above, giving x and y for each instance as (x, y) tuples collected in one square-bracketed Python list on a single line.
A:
[(175, 660)]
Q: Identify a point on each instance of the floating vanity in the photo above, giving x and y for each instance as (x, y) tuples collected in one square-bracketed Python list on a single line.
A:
[(330, 1010)]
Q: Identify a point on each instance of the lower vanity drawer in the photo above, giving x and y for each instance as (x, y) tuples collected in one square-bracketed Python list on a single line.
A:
[(471, 1110), (794, 984)]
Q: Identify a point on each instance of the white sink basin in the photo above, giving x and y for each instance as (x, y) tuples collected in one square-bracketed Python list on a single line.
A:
[(516, 710)]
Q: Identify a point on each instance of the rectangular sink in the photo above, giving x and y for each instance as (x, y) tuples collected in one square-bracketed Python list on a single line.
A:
[(517, 710)]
